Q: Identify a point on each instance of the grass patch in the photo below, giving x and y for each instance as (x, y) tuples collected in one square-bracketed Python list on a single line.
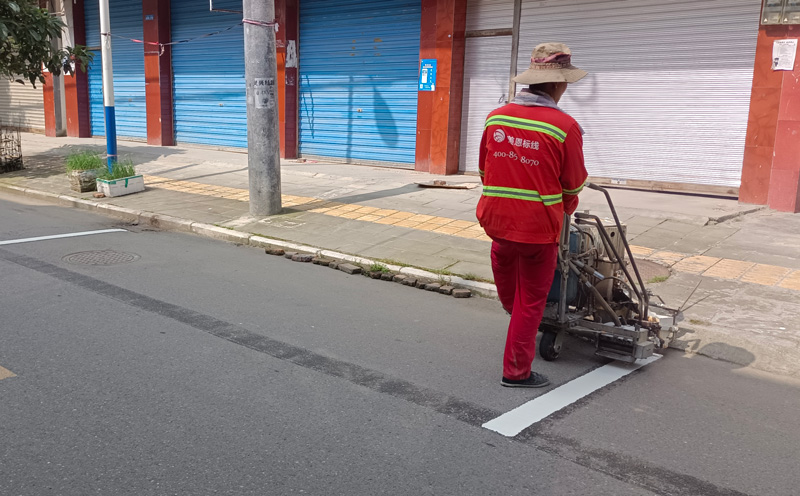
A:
[(389, 261), (442, 272), (378, 267), (657, 279), (469, 276), (83, 160), (124, 168), (699, 322)]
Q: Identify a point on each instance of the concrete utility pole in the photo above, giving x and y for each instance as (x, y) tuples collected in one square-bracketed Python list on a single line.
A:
[(263, 139), (108, 84)]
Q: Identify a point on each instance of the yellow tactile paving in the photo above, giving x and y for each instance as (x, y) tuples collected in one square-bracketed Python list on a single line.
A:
[(791, 281), (769, 275), (668, 257), (448, 229), (369, 218), (387, 221), (351, 215), (420, 218), (427, 226), (462, 224), (695, 265), (641, 250), (766, 275), (408, 223), (384, 212), (5, 374), (401, 215), (728, 269)]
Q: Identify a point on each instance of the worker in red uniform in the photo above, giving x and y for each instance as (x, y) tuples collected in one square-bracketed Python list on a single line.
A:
[(531, 165)]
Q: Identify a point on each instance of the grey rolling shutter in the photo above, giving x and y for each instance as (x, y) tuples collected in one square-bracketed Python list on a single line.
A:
[(21, 105), (486, 70), (668, 93)]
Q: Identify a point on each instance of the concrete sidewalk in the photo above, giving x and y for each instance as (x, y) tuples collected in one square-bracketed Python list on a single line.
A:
[(744, 258)]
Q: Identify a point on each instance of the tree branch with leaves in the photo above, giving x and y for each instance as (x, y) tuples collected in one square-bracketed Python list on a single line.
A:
[(26, 43)]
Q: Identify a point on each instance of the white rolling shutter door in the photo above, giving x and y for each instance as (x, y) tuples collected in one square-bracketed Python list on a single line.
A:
[(22, 105), (486, 69), (668, 93)]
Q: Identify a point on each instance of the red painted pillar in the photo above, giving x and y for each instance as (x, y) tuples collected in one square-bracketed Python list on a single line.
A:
[(158, 72), (49, 106), (771, 168), (439, 112), (287, 15), (76, 86)]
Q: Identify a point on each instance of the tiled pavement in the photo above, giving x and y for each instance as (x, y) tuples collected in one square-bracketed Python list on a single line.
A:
[(723, 268)]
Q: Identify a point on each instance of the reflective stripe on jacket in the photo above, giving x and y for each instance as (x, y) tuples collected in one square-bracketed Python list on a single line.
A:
[(531, 165)]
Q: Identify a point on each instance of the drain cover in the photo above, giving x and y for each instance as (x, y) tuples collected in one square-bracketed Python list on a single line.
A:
[(649, 270), (101, 257)]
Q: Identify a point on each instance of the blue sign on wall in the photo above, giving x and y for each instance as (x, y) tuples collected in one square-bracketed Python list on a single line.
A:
[(427, 75)]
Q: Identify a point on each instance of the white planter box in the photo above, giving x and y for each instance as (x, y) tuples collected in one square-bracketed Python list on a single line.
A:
[(119, 187)]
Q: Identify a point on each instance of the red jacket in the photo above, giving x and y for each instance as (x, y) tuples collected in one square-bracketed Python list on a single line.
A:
[(531, 165)]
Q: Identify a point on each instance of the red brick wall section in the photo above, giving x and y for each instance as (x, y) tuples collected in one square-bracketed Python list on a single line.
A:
[(771, 168), (158, 72), (439, 111), (76, 87), (287, 15)]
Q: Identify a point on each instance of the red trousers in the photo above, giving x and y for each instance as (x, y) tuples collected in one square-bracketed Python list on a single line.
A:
[(523, 274)]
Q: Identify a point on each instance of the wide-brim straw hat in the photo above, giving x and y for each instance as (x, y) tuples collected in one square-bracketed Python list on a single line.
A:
[(551, 63)]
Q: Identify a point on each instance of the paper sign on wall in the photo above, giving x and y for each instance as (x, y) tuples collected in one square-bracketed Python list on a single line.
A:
[(427, 75), (783, 55)]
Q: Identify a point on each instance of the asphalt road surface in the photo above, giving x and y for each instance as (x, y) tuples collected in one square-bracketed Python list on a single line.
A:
[(190, 366)]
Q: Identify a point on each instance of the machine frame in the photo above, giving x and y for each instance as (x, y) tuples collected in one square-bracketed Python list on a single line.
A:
[(621, 323)]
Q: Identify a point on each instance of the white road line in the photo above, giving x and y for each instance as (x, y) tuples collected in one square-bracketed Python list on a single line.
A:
[(517, 420), (59, 236)]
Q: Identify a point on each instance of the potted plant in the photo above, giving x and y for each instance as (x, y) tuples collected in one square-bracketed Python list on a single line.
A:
[(82, 169), (120, 180)]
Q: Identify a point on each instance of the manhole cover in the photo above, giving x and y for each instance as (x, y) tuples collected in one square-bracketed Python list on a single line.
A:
[(101, 257), (650, 270)]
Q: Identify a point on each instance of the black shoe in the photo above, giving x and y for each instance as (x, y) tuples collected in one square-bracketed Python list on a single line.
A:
[(534, 381)]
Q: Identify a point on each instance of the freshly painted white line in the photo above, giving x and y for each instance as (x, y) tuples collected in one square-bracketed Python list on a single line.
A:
[(512, 423), (59, 236)]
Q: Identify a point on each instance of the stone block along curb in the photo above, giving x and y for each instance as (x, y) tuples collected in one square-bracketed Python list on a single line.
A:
[(302, 257), (223, 234), (462, 293), (349, 268)]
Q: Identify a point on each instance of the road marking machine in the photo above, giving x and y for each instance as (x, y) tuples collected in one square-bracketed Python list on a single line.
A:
[(598, 294)]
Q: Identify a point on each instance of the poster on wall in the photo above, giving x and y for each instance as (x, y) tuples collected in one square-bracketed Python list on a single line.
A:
[(783, 55), (427, 75)]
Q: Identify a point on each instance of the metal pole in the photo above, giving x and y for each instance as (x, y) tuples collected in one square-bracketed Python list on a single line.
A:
[(263, 138), (108, 85), (512, 86)]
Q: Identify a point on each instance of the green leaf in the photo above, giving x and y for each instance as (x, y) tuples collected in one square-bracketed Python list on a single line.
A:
[(13, 6)]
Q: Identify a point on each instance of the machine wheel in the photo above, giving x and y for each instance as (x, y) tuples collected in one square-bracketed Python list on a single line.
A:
[(550, 345)]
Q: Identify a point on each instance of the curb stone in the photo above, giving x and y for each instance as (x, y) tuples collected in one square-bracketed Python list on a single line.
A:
[(221, 233)]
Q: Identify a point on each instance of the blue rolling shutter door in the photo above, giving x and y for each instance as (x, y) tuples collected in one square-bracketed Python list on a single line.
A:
[(359, 62), (128, 64), (208, 74)]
